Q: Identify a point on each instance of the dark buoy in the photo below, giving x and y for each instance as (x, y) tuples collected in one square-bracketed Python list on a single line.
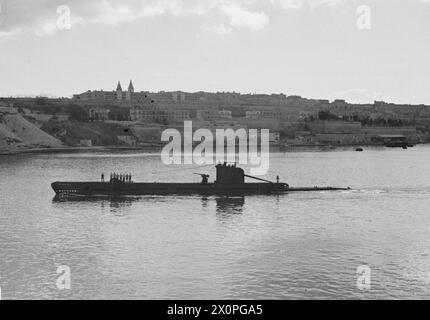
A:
[(359, 149)]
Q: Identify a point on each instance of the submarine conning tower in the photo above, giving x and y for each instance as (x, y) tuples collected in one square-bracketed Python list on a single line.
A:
[(229, 174)]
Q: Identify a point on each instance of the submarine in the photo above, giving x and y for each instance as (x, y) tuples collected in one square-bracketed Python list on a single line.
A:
[(230, 181)]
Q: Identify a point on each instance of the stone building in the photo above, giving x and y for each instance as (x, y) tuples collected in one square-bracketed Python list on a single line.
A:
[(118, 97), (225, 114), (156, 114), (96, 113)]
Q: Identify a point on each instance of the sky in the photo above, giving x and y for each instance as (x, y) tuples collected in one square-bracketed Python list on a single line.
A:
[(360, 51)]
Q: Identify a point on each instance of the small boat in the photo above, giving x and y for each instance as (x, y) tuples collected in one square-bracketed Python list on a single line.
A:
[(230, 180), (396, 144), (359, 149)]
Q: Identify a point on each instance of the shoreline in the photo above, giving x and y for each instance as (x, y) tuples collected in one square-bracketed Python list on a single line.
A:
[(69, 150), (276, 148)]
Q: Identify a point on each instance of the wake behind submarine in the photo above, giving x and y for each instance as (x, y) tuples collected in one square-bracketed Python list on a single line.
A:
[(230, 181)]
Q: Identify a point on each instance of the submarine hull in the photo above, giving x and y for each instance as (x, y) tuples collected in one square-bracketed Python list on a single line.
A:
[(107, 188)]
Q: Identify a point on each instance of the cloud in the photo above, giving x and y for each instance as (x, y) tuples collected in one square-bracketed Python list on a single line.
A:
[(240, 17), (356, 95), (10, 34), (288, 4), (219, 29), (40, 17), (18, 17), (298, 4), (116, 12), (318, 3)]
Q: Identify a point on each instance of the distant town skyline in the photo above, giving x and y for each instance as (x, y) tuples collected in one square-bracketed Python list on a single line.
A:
[(312, 48)]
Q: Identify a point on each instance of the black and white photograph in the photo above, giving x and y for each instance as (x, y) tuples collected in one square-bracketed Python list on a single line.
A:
[(214, 150)]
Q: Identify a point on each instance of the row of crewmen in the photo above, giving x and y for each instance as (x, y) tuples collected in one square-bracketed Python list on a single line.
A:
[(118, 177)]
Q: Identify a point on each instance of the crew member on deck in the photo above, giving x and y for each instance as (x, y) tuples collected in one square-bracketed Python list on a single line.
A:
[(103, 177), (277, 179), (205, 178)]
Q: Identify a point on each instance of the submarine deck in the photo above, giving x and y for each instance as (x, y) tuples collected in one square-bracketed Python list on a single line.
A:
[(108, 188)]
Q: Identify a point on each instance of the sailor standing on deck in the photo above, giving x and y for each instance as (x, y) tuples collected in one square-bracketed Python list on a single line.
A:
[(277, 179), (103, 177), (205, 178)]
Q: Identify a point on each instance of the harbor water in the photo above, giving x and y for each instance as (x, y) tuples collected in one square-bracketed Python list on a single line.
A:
[(292, 246)]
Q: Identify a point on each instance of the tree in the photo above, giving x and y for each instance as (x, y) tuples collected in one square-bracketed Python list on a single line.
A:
[(327, 115), (78, 113), (41, 101)]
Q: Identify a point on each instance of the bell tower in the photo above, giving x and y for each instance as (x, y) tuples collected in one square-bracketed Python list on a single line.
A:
[(119, 91), (130, 91)]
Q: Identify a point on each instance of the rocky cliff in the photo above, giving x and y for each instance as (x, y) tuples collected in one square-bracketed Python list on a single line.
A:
[(16, 133)]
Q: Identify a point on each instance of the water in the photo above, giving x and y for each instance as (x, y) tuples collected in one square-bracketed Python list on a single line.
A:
[(303, 245)]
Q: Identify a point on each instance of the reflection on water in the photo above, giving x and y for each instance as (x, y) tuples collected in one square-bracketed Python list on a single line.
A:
[(224, 205), (298, 245), (230, 205), (116, 202)]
